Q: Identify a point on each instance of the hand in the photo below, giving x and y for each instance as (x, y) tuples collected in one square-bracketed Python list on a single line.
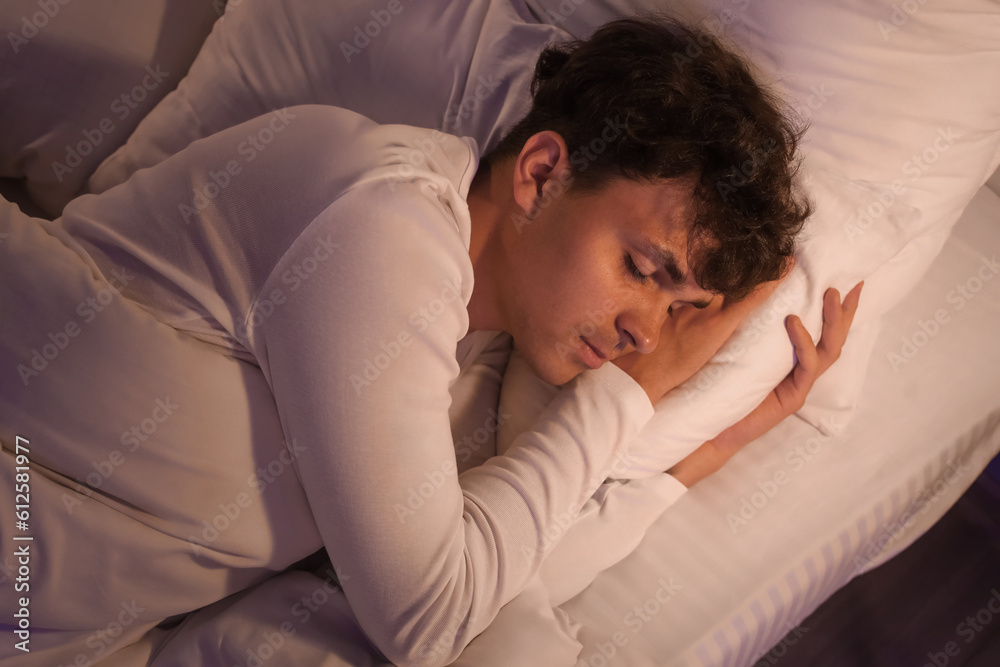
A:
[(813, 361), (689, 338), (790, 394)]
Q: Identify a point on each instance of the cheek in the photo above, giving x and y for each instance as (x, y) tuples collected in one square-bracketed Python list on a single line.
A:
[(562, 274), (570, 281), (594, 275), (589, 297)]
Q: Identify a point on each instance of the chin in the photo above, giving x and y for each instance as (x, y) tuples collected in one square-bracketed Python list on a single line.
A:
[(552, 369)]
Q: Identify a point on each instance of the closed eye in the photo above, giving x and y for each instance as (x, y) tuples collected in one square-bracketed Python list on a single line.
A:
[(633, 270)]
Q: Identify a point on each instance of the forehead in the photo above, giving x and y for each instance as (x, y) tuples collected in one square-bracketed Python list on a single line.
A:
[(663, 210)]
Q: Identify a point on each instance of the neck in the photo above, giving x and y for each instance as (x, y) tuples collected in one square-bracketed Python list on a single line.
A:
[(487, 195)]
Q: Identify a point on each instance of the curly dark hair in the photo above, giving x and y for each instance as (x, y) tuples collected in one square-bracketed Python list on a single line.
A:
[(690, 108)]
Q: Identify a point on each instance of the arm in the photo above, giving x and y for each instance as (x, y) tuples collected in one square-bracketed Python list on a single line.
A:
[(431, 555)]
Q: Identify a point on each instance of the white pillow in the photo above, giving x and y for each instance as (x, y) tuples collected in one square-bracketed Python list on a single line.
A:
[(76, 78)]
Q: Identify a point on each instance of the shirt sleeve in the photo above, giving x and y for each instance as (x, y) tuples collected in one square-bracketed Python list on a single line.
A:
[(476, 417), (611, 523), (360, 354), (610, 526)]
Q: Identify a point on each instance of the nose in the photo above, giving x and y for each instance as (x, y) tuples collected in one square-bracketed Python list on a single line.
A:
[(641, 326)]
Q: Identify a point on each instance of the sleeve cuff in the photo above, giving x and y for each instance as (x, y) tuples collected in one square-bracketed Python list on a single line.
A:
[(669, 488), (625, 388)]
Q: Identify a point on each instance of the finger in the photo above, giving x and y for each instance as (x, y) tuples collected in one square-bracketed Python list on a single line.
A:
[(837, 319), (831, 309), (851, 302), (805, 350), (835, 328), (833, 316)]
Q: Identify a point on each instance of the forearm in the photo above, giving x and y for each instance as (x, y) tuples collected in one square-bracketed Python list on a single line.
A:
[(713, 454)]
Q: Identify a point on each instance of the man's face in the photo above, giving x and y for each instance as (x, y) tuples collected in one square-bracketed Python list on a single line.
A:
[(593, 276)]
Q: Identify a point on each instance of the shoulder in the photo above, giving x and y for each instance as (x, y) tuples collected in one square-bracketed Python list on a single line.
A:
[(395, 169), (344, 138), (395, 214)]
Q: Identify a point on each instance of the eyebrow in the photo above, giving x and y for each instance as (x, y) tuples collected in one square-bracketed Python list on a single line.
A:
[(665, 257)]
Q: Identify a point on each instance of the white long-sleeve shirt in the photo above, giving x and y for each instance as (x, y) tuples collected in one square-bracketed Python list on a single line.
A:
[(333, 253)]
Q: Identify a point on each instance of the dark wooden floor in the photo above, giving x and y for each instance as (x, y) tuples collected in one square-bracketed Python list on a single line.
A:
[(929, 606)]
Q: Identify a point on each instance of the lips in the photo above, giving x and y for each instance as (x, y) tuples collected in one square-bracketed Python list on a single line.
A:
[(592, 356), (596, 349)]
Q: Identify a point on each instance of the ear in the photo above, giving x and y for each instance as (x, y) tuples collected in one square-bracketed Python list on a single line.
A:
[(541, 168)]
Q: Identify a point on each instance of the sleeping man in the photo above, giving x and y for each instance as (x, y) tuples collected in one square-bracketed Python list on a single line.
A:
[(272, 342)]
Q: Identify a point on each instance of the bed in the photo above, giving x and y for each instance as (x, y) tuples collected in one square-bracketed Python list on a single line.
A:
[(724, 574)]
